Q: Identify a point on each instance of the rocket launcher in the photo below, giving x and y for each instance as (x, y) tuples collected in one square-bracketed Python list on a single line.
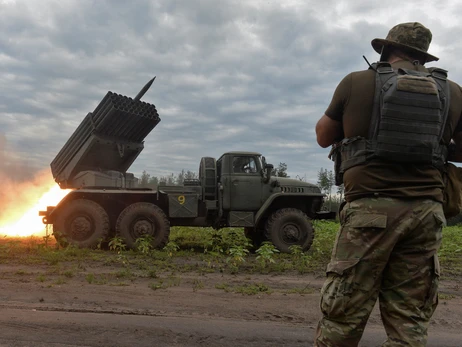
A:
[(108, 139)]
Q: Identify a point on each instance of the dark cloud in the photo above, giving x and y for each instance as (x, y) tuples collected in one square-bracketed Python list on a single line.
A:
[(231, 75)]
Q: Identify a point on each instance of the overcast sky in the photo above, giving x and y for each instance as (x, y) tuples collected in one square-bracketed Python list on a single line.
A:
[(231, 75)]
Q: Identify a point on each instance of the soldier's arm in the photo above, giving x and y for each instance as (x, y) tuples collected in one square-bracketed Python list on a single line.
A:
[(455, 153), (329, 128), (328, 131)]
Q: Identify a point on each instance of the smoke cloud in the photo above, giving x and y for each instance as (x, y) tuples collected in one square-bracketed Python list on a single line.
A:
[(22, 186)]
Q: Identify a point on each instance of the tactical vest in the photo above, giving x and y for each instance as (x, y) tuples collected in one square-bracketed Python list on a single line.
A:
[(409, 116)]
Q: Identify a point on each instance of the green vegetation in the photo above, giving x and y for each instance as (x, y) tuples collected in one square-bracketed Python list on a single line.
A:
[(197, 251), (301, 291), (117, 244), (60, 281), (266, 254), (90, 278), (450, 253), (41, 278), (171, 281), (247, 289), (197, 284), (144, 244), (326, 182), (443, 296)]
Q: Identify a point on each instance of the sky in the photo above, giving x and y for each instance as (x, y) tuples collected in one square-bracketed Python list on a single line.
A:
[(232, 75)]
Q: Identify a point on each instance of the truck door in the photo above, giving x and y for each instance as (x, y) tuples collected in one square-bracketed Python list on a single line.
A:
[(245, 184)]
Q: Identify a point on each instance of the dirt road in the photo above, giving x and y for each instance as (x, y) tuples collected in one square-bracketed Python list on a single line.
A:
[(181, 310)]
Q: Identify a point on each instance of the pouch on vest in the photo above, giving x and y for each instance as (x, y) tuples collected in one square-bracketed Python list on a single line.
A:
[(452, 204), (336, 156), (342, 160)]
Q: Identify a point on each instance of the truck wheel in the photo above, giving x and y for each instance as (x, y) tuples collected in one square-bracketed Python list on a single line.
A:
[(256, 236), (82, 223), (289, 227), (141, 219)]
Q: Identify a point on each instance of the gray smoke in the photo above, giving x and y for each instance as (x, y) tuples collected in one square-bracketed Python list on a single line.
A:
[(14, 167), (22, 185)]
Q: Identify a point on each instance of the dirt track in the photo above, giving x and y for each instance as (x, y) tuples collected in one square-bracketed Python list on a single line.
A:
[(190, 311)]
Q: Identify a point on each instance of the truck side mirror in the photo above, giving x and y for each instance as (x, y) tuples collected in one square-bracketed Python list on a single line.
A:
[(268, 169)]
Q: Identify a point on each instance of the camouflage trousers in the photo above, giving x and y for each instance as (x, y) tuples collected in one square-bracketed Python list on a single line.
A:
[(386, 249)]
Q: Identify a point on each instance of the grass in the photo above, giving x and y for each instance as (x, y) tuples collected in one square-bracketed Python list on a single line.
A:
[(197, 284), (41, 278), (68, 273), (90, 278), (450, 253), (302, 291), (443, 296), (197, 250), (246, 289), (171, 281), (21, 272), (60, 281)]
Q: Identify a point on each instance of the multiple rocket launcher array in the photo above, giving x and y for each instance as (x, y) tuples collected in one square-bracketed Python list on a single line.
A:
[(108, 139)]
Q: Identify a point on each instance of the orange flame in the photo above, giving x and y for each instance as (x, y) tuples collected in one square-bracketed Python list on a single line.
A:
[(21, 202)]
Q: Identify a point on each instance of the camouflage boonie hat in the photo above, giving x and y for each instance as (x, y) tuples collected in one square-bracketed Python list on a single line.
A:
[(412, 37)]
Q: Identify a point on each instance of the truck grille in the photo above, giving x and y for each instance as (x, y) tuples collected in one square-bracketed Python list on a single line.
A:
[(292, 189)]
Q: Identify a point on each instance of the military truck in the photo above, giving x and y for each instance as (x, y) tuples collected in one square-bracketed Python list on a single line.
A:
[(237, 190)]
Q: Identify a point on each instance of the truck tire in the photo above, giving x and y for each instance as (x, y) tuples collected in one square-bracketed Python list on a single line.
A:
[(208, 178), (82, 223), (140, 219), (289, 227)]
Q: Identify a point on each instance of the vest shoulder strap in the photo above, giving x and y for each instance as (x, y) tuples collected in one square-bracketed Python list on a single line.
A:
[(438, 73), (441, 78), (384, 72)]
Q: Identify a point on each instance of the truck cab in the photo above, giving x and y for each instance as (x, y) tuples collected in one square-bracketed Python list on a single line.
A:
[(240, 177), (248, 196)]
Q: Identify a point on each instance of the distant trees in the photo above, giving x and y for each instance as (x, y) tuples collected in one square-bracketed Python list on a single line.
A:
[(326, 181), (148, 181), (185, 175), (144, 179), (280, 170), (340, 191)]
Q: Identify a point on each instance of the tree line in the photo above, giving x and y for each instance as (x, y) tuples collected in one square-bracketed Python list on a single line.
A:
[(326, 182), (148, 181)]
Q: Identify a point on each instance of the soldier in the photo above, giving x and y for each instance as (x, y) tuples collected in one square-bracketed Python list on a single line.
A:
[(394, 122)]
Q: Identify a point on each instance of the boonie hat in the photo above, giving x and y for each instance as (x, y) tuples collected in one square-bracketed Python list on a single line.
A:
[(412, 37)]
